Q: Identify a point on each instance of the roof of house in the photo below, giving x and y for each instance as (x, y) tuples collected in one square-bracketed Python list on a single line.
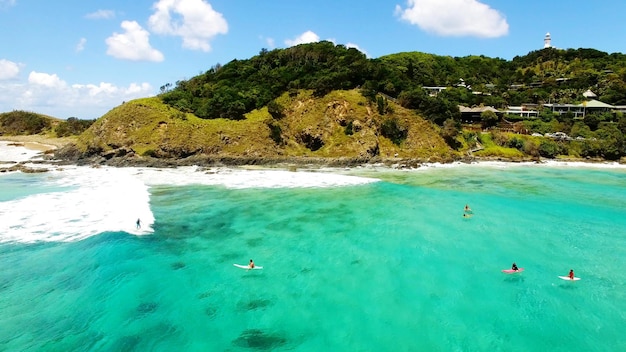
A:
[(589, 94), (477, 109), (596, 104)]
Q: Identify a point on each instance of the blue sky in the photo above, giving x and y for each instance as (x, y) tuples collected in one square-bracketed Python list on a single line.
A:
[(82, 58)]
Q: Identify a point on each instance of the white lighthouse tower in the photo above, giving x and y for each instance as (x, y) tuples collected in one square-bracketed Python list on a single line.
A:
[(547, 41)]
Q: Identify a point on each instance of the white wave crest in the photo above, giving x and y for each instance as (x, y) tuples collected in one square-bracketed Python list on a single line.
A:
[(243, 178), (99, 200), (112, 199)]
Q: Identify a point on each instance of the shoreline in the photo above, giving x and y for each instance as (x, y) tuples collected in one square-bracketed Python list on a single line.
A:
[(38, 142), (39, 149)]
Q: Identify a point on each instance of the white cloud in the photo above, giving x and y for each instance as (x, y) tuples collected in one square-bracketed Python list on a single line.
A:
[(352, 45), (46, 80), (8, 69), (133, 44), (101, 14), (455, 18), (81, 45), (306, 37), (270, 42), (49, 94), (195, 21)]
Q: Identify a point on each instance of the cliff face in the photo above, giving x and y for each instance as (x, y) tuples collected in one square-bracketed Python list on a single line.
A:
[(341, 124)]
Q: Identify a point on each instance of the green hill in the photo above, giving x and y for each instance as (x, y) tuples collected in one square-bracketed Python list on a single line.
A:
[(20, 123), (342, 124), (322, 100)]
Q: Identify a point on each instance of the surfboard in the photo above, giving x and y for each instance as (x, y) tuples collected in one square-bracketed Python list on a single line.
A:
[(568, 279), (511, 271), (247, 267)]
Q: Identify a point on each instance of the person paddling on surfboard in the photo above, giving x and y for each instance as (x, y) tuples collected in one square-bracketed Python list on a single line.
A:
[(467, 208), (571, 274), (514, 267), (251, 265)]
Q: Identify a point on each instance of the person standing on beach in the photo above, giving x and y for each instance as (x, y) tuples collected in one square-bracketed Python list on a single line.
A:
[(138, 223)]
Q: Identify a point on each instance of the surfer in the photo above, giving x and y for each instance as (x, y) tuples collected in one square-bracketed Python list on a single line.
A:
[(514, 267), (138, 223), (467, 208), (466, 215), (571, 274), (251, 265)]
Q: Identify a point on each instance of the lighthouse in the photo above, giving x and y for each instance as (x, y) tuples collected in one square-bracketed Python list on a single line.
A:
[(546, 41)]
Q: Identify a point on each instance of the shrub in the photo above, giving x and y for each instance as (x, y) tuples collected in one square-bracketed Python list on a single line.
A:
[(348, 130), (450, 131), (150, 153), (275, 109), (23, 123), (275, 133), (516, 142), (392, 129), (72, 126), (382, 105), (531, 148), (548, 149), (488, 118)]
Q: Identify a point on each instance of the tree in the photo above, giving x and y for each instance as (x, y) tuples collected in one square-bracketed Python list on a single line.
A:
[(611, 141), (488, 118), (548, 149), (592, 120), (416, 98), (392, 129), (579, 129), (621, 123), (275, 109), (382, 105), (438, 110), (450, 131)]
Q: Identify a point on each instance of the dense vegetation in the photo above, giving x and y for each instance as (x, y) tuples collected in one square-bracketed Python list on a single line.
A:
[(20, 122), (23, 123), (548, 75), (231, 90)]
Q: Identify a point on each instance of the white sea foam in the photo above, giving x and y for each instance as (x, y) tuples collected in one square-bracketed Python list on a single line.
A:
[(12, 153), (98, 200), (242, 178), (111, 199)]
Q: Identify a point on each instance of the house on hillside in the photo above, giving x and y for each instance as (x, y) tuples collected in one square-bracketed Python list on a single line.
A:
[(561, 109), (596, 106), (470, 115), (580, 110), (433, 91), (522, 111), (620, 108)]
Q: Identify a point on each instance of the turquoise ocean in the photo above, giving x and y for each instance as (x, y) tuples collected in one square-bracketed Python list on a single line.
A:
[(365, 259)]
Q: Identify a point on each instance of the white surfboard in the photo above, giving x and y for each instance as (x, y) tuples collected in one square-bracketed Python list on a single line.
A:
[(247, 267), (568, 278)]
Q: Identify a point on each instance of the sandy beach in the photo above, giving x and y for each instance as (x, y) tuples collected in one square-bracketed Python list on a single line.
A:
[(37, 142)]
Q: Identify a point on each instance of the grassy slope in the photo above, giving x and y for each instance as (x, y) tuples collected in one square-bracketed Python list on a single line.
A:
[(327, 117), (150, 127)]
